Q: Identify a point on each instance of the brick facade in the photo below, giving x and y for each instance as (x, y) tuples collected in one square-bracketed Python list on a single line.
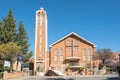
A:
[(76, 55)]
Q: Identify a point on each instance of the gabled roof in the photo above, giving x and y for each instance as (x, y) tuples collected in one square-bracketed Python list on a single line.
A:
[(73, 33)]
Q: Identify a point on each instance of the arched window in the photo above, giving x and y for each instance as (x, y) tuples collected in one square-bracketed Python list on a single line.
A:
[(68, 48), (55, 55), (75, 42), (68, 43), (61, 55), (76, 48), (84, 55), (38, 19), (89, 55), (43, 19)]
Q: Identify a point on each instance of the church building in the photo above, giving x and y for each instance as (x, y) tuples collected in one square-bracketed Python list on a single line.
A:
[(70, 55)]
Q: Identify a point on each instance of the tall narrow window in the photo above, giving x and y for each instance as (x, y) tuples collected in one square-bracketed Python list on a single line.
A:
[(56, 55), (40, 40), (40, 48), (68, 42), (76, 48), (84, 55), (38, 19), (68, 48), (41, 20), (43, 17), (89, 55), (61, 55), (40, 32), (75, 42)]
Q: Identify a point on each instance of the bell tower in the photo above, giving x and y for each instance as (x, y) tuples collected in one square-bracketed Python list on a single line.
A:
[(40, 41)]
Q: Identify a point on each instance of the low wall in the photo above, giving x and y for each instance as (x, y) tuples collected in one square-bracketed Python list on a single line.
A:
[(13, 75)]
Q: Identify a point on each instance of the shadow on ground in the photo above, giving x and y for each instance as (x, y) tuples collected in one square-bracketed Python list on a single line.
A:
[(59, 79), (109, 78), (114, 78)]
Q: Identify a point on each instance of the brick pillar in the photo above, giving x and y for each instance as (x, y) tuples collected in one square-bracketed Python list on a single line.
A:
[(5, 75)]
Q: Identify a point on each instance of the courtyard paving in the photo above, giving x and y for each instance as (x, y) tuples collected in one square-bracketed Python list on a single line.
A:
[(95, 77)]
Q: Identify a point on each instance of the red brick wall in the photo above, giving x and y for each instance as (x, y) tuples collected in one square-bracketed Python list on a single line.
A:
[(81, 44), (13, 75)]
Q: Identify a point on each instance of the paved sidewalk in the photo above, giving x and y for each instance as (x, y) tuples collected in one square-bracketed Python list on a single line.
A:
[(95, 77)]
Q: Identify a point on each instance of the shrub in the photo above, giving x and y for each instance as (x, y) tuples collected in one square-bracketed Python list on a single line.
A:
[(6, 69), (109, 69), (1, 75)]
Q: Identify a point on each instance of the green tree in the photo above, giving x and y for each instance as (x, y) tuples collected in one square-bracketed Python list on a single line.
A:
[(22, 41), (8, 29), (12, 39), (9, 51), (1, 32), (8, 46)]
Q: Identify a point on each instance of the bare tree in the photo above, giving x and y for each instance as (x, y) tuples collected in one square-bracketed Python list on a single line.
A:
[(104, 55)]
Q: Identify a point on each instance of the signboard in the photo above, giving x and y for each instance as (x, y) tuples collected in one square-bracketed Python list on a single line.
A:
[(6, 64)]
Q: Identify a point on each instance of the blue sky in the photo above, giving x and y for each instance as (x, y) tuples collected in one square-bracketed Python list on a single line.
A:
[(96, 20)]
